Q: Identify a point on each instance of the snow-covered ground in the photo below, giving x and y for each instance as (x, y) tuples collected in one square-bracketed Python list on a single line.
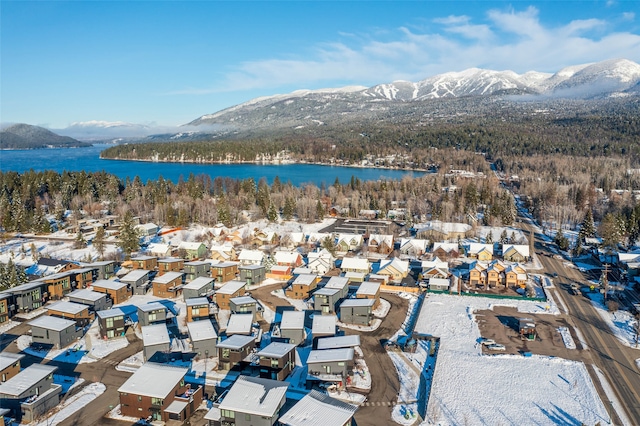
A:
[(73, 404), (566, 337), (621, 323), (6, 326), (75, 353), (361, 377), (471, 388), (300, 305)]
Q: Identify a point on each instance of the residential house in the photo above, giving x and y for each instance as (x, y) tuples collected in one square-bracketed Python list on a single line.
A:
[(234, 350), (53, 331), (347, 341), (168, 285), (199, 287), (197, 309), (357, 311), (30, 393), (330, 364), (264, 238), (315, 239), (321, 262), (446, 251), (357, 265), (148, 263), (395, 269), (245, 305), (280, 272), (48, 266), (434, 269), (252, 401), (252, 274), (288, 258), (159, 392), (413, 248), (340, 283), (302, 286), (160, 250), (228, 291), (138, 280), (376, 278), (96, 301), (326, 299), (439, 284), (104, 269), (58, 285), (515, 276), (442, 231), (170, 264), (349, 242), (71, 310), (320, 407), (147, 229), (193, 251), (277, 360), (292, 240), (478, 275), (381, 244), (111, 323), (251, 257), (155, 338), (324, 325), (83, 277), (482, 252), (116, 290), (303, 270), (27, 297), (369, 290), (9, 365), (4, 307), (224, 272), (152, 313), (223, 253), (239, 324), (515, 253), (292, 327), (368, 214), (203, 338), (196, 269), (495, 274)]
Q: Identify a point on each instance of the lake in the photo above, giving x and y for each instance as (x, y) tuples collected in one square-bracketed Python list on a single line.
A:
[(88, 159)]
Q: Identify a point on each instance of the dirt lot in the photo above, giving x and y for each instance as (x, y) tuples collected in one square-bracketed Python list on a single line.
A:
[(501, 325)]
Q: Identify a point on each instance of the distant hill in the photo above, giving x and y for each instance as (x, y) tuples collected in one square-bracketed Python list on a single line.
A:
[(25, 136)]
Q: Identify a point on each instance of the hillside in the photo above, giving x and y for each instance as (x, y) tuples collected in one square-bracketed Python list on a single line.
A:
[(25, 136)]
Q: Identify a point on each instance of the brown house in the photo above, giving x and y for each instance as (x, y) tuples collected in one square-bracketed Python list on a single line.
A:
[(234, 350), (168, 285), (446, 251), (58, 285), (9, 365), (369, 290), (117, 291), (382, 244), (144, 262), (197, 308), (229, 291), (169, 264), (73, 311), (224, 272), (4, 307), (277, 360), (159, 391), (83, 277), (302, 286)]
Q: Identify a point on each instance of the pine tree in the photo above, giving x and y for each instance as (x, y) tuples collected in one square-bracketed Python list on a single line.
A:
[(289, 208), (35, 255), (503, 237), (129, 238), (272, 215), (80, 242), (489, 238), (561, 241), (319, 210), (224, 215), (99, 241), (587, 230)]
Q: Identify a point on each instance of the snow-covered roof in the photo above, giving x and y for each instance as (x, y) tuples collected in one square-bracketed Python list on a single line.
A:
[(305, 279), (352, 303), (71, 308), (276, 350), (253, 395), (355, 275), (155, 334), (52, 323), (475, 248), (523, 249), (288, 257), (444, 227), (330, 355), (239, 324), (435, 263), (231, 287), (190, 245), (154, 380), (143, 257), (368, 288), (8, 358), (109, 284), (292, 320), (170, 260), (176, 407), (251, 267), (152, 306), (197, 263), (251, 255), (337, 282), (380, 239), (201, 330), (135, 275), (413, 242), (349, 341), (327, 291), (318, 409), (243, 300), (446, 246), (167, 277), (110, 313), (401, 266), (157, 248), (25, 379), (439, 281), (324, 324), (196, 301), (86, 294), (237, 341), (198, 283), (355, 263), (303, 270), (280, 268), (147, 226)]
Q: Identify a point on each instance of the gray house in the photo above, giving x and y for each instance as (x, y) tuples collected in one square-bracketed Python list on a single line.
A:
[(245, 305), (326, 299), (138, 280), (340, 283), (197, 268), (239, 324), (292, 327), (28, 296), (357, 311), (152, 313), (252, 401), (30, 393), (198, 287), (95, 300), (324, 326), (203, 338), (111, 323), (330, 364), (252, 274), (105, 270), (58, 332), (323, 407), (155, 338)]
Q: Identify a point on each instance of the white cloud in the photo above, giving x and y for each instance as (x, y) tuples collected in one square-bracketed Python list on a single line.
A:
[(628, 16), (508, 39)]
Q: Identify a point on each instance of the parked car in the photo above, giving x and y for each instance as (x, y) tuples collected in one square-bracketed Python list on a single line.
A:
[(554, 275), (496, 347), (485, 341)]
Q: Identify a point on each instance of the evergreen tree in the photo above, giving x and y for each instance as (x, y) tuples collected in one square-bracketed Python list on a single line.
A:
[(561, 241), (610, 231), (503, 237), (319, 210), (289, 208), (272, 215), (587, 230), (99, 241), (35, 255), (489, 238), (79, 242), (224, 215), (129, 240)]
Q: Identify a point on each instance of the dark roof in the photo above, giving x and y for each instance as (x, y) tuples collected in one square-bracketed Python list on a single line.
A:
[(46, 261)]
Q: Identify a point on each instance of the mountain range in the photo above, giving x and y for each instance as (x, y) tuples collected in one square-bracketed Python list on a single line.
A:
[(25, 136)]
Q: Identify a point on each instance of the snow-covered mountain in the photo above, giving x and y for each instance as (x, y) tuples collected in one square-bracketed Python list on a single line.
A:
[(305, 108)]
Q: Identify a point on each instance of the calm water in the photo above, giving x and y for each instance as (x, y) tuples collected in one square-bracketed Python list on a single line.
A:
[(75, 159)]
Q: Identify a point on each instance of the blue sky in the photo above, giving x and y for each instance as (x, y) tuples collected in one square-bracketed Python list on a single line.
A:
[(169, 62)]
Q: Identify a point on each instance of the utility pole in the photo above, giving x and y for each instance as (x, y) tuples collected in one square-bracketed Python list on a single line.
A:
[(604, 280)]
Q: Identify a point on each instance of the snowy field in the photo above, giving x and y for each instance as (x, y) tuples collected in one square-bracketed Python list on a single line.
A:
[(523, 390), (621, 323)]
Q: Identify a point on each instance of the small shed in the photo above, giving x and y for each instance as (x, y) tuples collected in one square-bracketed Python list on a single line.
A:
[(527, 328)]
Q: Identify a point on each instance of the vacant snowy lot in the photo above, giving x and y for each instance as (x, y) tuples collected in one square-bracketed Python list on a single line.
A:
[(471, 388)]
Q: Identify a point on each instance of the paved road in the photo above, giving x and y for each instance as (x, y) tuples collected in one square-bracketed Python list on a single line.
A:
[(607, 352)]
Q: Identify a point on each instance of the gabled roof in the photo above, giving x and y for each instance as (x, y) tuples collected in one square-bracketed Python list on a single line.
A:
[(292, 320), (406, 243), (157, 248), (330, 355), (435, 263), (475, 248), (355, 263), (444, 227), (288, 257), (251, 255), (155, 334), (201, 330), (401, 266), (52, 323), (253, 395), (520, 248), (318, 409), (190, 245), (448, 247), (27, 378), (154, 380), (380, 239)]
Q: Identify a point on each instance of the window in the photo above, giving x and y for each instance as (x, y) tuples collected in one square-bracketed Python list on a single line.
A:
[(228, 414), (111, 334), (139, 398), (274, 363), (156, 401), (153, 316), (225, 352), (247, 417), (341, 364), (109, 322), (195, 311)]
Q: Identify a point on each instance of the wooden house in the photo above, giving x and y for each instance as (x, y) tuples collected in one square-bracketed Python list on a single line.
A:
[(395, 269), (9, 365), (381, 244), (515, 253), (111, 323), (234, 350), (170, 264), (150, 263), (224, 272), (228, 291), (73, 311), (446, 251), (280, 273), (413, 248), (277, 360), (117, 291), (355, 264), (369, 290), (168, 285), (197, 309), (223, 253), (302, 286), (30, 394), (288, 258)]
